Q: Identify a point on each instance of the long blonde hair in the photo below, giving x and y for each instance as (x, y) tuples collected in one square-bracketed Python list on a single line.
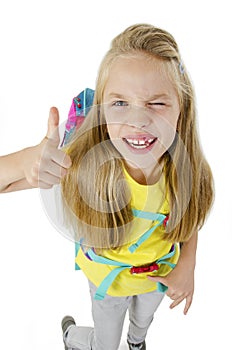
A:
[(95, 192)]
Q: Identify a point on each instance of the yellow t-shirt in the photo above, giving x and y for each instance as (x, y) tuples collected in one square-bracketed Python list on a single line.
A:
[(149, 199)]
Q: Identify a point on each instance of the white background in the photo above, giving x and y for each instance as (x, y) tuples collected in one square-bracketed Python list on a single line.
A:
[(50, 51)]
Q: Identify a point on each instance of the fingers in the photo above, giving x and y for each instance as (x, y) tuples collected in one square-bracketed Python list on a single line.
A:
[(48, 180), (52, 154), (178, 300), (176, 295), (45, 173), (188, 303), (52, 168)]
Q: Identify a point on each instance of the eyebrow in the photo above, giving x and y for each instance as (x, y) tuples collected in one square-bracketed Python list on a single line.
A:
[(151, 98), (112, 94)]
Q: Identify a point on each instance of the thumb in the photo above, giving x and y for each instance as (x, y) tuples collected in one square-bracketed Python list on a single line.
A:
[(158, 279), (162, 284), (53, 126)]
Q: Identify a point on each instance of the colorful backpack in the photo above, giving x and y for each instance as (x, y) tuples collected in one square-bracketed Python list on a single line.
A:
[(80, 107)]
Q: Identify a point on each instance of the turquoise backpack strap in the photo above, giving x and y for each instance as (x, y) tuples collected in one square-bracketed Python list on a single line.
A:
[(77, 247), (164, 258), (109, 279), (160, 286), (149, 216), (106, 283)]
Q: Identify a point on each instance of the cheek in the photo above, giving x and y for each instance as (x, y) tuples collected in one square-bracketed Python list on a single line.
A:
[(168, 129), (113, 131)]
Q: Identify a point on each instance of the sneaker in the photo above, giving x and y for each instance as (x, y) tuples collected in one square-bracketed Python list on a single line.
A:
[(65, 324), (140, 346)]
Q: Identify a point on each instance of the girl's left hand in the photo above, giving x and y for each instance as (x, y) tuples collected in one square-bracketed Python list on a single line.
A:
[(180, 283)]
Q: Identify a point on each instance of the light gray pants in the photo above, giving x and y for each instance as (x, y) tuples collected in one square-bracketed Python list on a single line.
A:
[(108, 317)]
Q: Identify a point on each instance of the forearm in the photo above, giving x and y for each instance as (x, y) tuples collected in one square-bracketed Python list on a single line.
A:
[(188, 252), (17, 186), (12, 176)]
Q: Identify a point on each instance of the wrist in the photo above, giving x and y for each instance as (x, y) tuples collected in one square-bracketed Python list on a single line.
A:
[(187, 262), (23, 160), (187, 258)]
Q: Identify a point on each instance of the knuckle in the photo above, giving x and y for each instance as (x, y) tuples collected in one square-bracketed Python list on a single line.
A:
[(32, 178), (46, 151), (33, 181), (55, 181), (67, 161), (63, 172)]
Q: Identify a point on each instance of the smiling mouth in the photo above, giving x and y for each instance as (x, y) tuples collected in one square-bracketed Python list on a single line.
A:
[(140, 143)]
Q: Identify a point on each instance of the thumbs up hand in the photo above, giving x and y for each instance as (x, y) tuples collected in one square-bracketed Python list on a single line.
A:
[(46, 164)]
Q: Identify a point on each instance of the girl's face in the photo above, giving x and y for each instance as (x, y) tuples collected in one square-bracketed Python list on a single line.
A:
[(141, 109)]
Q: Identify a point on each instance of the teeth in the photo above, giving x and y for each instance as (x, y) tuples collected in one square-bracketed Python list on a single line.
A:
[(140, 143), (138, 146)]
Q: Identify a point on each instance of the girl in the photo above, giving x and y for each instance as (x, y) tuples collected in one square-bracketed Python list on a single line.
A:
[(138, 187)]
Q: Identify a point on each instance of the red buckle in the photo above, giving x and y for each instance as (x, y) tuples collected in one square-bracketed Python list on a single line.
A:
[(142, 269), (166, 220)]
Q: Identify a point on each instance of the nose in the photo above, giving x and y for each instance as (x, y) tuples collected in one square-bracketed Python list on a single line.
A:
[(139, 117)]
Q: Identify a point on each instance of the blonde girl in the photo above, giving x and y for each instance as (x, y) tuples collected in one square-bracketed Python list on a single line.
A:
[(138, 188)]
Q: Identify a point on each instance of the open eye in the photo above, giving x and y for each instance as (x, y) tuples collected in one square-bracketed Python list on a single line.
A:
[(120, 104)]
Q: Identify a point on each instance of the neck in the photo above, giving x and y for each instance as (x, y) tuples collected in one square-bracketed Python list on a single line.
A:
[(145, 176)]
